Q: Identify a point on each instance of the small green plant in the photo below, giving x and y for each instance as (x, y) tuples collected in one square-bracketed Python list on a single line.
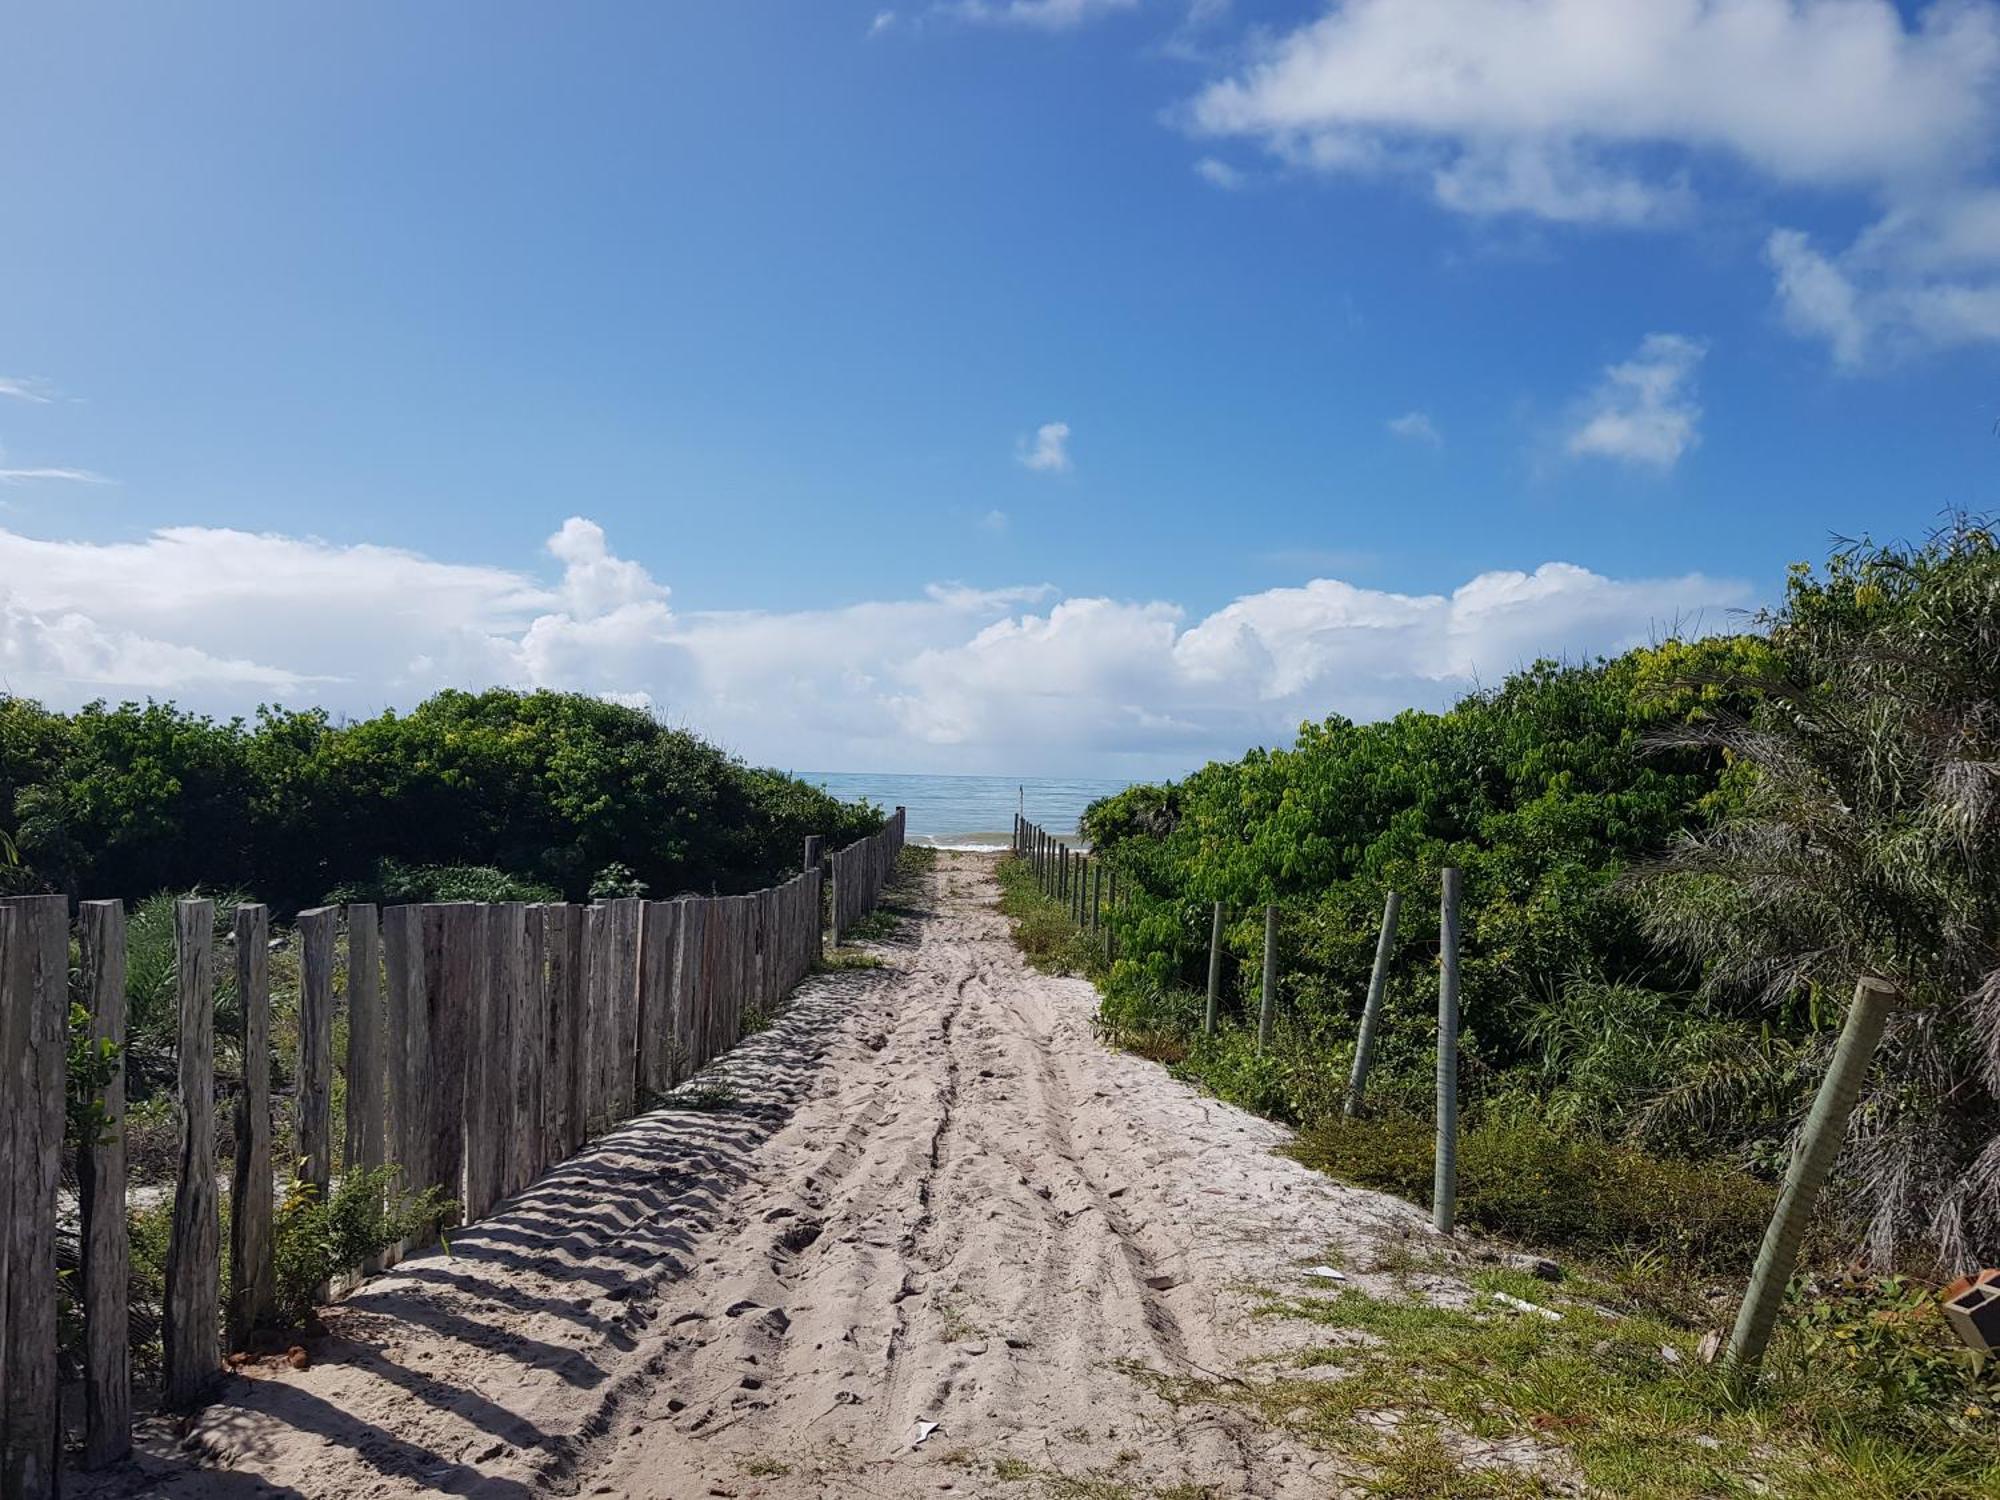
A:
[(760, 1466), (1012, 1470), (615, 882), (317, 1239)]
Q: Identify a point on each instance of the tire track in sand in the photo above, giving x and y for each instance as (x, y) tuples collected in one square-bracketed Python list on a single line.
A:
[(938, 1197)]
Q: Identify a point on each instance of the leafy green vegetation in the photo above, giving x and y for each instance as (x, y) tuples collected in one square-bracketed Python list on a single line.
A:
[(529, 792), (1676, 864), (316, 1239)]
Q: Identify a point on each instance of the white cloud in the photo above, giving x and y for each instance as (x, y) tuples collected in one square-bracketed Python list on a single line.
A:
[(1416, 427), (67, 476), (884, 19), (1644, 411), (26, 388), (1047, 15), (994, 521), (1218, 173), (957, 677), (1048, 453), (1611, 112), (1547, 105)]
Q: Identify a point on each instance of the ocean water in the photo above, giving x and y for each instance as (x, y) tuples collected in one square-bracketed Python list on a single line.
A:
[(970, 812)]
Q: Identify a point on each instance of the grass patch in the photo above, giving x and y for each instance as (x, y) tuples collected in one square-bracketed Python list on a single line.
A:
[(1525, 1182), (1013, 1470), (842, 960), (1628, 1418), (760, 1466), (1043, 931)]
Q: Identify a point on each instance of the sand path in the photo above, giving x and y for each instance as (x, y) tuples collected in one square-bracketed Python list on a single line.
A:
[(927, 1194)]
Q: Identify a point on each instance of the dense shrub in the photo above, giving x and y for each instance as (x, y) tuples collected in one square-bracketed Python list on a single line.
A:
[(550, 789), (1526, 1182)]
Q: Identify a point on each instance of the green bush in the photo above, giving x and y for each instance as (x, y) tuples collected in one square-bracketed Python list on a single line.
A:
[(316, 1240), (393, 883), (1522, 1181)]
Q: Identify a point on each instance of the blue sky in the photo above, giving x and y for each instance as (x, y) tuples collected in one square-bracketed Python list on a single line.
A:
[(1026, 348)]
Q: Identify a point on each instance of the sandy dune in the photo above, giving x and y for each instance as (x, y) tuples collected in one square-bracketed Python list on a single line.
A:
[(925, 1195)]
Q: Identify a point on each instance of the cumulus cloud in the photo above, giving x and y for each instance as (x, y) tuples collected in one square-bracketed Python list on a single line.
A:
[(956, 677), (1416, 427), (1612, 112), (1644, 411), (1048, 451)]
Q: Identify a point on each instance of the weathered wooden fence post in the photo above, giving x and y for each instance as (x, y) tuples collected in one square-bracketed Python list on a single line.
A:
[(1444, 1187), (362, 1145), (251, 1271), (189, 1338), (107, 1366), (1214, 969), (1371, 1011), (1819, 1144), (315, 1101), (409, 1045), (1269, 1005), (34, 994)]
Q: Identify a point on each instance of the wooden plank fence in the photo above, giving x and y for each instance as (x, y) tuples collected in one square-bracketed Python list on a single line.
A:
[(485, 1043), (861, 870)]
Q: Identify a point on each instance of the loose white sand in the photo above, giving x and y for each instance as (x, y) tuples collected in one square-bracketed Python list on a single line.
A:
[(937, 1199)]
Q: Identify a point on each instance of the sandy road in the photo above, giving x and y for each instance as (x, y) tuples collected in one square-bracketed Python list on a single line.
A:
[(929, 1195)]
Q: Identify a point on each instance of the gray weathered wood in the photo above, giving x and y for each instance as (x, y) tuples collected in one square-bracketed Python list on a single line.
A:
[(1214, 970), (689, 955), (448, 955), (1267, 1008), (408, 1043), (485, 1044), (252, 1280), (1371, 1010), (315, 1086), (624, 1058), (531, 1047), (1444, 1182), (35, 965), (600, 956), (190, 1334), (564, 929), (365, 1056), (107, 1365), (13, 1092)]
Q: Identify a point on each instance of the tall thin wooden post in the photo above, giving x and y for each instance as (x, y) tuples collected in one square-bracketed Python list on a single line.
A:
[(1268, 1006), (1214, 969), (34, 987), (107, 1366), (192, 1320), (363, 1143), (1096, 895), (1444, 1188), (252, 1273), (1819, 1144), (315, 1101), (1371, 1011)]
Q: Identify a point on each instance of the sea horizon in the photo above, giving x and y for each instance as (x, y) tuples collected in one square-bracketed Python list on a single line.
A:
[(956, 811)]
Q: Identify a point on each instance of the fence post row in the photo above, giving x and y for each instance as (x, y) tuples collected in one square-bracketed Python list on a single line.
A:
[(484, 1043)]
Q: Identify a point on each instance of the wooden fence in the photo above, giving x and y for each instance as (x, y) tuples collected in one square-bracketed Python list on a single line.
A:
[(485, 1043), (861, 870)]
